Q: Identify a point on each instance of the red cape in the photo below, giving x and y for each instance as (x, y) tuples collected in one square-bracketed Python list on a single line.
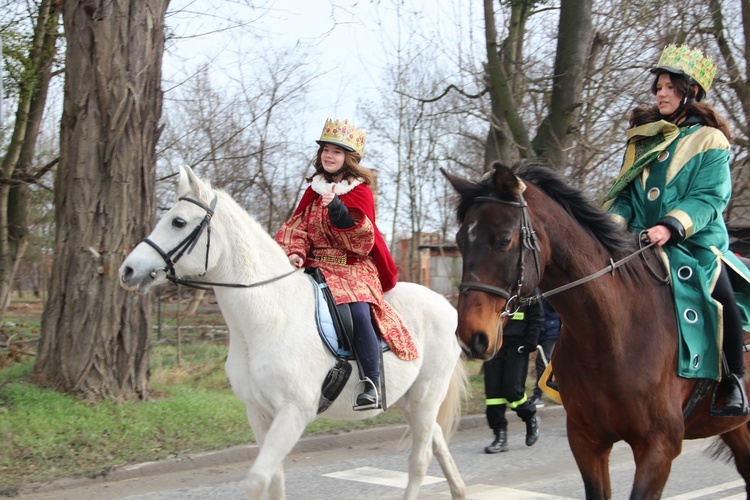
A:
[(361, 198)]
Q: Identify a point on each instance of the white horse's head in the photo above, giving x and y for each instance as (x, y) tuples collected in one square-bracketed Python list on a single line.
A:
[(179, 244)]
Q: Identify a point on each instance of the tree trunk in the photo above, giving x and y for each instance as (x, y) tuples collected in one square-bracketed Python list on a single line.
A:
[(16, 164), (573, 47), (508, 139), (95, 336)]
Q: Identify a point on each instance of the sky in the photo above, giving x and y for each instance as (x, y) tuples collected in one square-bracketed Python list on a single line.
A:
[(350, 43)]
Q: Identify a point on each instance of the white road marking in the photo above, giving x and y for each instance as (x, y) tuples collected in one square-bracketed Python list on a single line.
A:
[(372, 475), (489, 492), (396, 479), (708, 491)]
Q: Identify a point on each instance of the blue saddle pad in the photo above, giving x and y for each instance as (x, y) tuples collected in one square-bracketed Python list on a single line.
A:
[(326, 327)]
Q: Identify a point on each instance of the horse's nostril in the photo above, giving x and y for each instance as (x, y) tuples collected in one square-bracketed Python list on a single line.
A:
[(479, 343), (126, 274)]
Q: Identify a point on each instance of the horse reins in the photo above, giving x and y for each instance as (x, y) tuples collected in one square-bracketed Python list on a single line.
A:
[(530, 243), (188, 244)]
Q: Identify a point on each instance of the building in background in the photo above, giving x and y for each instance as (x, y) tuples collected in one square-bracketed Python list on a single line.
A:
[(435, 263)]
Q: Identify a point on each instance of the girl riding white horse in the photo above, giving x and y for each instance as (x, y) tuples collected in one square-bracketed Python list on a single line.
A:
[(277, 362)]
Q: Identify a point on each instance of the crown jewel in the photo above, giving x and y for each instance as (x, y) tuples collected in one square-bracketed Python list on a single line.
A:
[(692, 62), (344, 134)]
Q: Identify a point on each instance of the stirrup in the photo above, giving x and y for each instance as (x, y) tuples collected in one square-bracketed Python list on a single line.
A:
[(366, 383), (742, 412)]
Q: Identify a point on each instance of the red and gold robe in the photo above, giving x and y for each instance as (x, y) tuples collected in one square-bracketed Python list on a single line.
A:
[(355, 261)]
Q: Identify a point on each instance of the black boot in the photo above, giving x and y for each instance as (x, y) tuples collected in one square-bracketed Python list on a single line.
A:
[(532, 430), (500, 443), (369, 398), (735, 398)]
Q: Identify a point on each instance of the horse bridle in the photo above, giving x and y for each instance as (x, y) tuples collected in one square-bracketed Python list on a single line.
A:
[(529, 243), (188, 244)]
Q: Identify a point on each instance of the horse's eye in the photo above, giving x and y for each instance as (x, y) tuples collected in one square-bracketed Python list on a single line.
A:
[(178, 223), (503, 242)]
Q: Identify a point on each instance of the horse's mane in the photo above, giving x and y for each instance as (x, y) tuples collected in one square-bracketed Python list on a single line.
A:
[(241, 220), (579, 205), (601, 225)]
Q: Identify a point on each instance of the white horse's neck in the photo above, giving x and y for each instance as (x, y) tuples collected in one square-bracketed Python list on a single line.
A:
[(243, 252), (245, 249)]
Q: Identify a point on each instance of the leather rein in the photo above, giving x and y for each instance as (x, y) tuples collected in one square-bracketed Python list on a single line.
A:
[(531, 244), (188, 244)]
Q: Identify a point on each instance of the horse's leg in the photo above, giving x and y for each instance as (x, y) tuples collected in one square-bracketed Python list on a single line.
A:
[(420, 408), (738, 441), (592, 457), (275, 443), (653, 455), (447, 464), (422, 425)]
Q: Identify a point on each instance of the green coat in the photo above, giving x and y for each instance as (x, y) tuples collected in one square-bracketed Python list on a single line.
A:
[(683, 172)]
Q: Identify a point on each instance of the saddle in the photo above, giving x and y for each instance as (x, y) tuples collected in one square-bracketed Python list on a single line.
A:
[(336, 329)]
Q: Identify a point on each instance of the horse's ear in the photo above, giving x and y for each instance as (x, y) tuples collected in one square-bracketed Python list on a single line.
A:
[(459, 184), (505, 181), (190, 184)]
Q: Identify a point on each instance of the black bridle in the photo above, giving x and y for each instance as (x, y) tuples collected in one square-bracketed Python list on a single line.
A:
[(531, 244), (188, 244)]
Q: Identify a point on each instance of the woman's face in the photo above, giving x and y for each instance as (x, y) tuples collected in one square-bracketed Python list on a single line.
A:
[(667, 99), (332, 158)]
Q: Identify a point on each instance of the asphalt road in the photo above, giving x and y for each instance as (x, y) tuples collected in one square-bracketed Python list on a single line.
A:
[(369, 465)]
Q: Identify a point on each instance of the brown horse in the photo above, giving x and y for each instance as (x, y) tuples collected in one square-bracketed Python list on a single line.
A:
[(615, 359)]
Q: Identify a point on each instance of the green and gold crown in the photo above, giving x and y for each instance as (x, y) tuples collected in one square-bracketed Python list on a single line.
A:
[(692, 62), (343, 134)]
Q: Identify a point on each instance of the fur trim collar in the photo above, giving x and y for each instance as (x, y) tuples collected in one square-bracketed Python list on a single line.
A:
[(321, 186)]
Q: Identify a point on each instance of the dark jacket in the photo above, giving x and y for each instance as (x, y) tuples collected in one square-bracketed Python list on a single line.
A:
[(552, 323), (525, 326)]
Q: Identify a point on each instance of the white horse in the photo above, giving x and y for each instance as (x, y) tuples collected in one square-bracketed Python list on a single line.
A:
[(277, 361)]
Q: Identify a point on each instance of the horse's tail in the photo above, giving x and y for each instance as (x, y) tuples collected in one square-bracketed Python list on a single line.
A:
[(458, 393)]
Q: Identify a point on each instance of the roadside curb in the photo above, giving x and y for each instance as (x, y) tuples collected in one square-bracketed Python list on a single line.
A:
[(247, 453)]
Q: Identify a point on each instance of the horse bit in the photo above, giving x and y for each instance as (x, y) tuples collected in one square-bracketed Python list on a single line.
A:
[(188, 244)]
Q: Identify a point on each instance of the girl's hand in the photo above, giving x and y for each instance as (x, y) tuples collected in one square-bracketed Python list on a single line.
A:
[(328, 197), (296, 260)]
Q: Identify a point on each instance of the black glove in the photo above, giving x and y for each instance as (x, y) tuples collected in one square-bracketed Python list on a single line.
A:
[(527, 348), (339, 214)]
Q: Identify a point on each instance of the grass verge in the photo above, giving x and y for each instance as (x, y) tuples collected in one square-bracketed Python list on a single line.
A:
[(48, 435)]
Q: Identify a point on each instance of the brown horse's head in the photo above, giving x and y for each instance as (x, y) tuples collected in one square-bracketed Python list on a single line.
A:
[(500, 257)]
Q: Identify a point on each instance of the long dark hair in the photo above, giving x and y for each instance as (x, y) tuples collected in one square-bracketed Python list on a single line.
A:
[(351, 169), (705, 113)]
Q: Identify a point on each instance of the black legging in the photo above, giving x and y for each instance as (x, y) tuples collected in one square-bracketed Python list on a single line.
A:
[(366, 345), (733, 335)]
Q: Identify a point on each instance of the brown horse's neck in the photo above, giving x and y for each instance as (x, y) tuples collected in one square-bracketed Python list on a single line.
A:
[(598, 314)]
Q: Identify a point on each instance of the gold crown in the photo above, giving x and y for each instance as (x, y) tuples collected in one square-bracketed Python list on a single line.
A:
[(343, 134), (689, 61)]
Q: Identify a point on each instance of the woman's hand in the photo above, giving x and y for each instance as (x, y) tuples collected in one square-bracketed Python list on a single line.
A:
[(659, 235), (327, 198)]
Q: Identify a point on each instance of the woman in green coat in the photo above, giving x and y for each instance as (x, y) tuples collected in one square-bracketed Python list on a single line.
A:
[(674, 185)]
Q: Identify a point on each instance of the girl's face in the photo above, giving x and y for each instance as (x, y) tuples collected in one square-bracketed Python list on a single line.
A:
[(667, 99), (332, 158)]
